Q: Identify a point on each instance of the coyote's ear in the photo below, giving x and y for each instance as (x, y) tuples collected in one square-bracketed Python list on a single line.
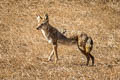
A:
[(38, 18), (46, 17)]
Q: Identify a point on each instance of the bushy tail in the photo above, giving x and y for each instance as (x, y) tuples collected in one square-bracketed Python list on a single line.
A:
[(88, 45)]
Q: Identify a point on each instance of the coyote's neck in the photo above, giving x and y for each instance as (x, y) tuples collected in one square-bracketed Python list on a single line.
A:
[(45, 35)]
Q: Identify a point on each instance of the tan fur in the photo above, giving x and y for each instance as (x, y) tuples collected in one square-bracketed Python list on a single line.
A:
[(53, 36)]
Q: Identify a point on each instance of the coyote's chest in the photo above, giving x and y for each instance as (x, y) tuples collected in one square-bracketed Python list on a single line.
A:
[(46, 36)]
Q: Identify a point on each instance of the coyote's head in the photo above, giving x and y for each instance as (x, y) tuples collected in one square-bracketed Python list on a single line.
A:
[(42, 22)]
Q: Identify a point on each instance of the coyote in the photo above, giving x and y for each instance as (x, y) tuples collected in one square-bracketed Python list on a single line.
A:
[(53, 36)]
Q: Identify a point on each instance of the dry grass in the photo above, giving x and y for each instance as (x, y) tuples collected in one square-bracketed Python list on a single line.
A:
[(24, 52)]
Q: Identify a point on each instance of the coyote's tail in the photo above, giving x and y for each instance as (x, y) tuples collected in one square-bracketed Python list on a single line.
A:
[(87, 47)]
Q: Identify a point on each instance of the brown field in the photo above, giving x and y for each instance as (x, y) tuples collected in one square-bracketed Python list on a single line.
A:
[(24, 52)]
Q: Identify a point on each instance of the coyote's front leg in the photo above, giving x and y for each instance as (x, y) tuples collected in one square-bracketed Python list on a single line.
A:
[(54, 51), (51, 55)]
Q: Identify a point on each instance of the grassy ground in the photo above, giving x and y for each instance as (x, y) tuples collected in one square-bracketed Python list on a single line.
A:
[(24, 52)]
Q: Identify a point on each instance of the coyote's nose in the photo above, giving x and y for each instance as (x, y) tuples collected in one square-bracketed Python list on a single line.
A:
[(37, 28)]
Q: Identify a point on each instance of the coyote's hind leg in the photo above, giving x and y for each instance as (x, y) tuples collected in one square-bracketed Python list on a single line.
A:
[(92, 57)]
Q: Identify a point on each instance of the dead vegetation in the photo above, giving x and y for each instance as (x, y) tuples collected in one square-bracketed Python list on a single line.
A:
[(24, 52)]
